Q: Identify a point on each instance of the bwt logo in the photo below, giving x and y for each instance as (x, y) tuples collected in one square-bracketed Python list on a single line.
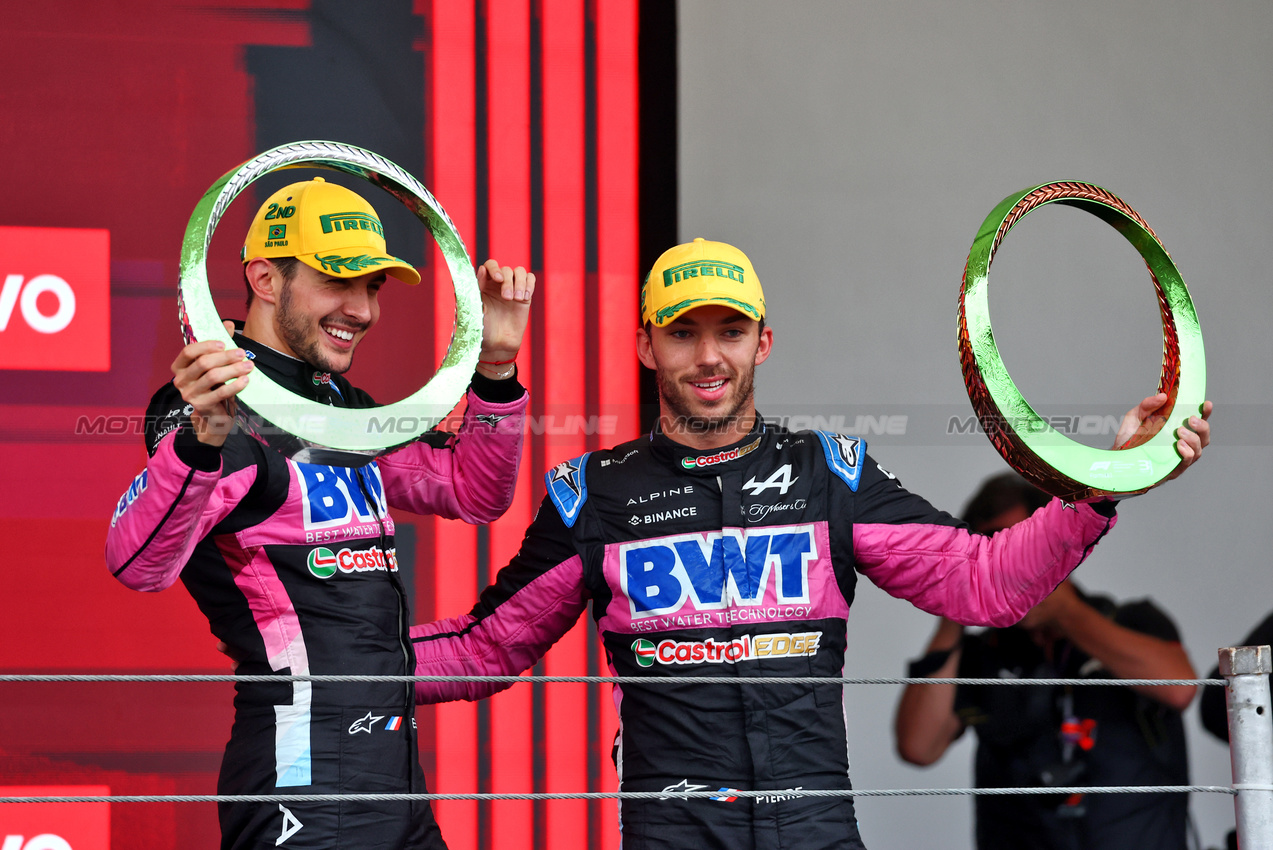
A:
[(338, 495), (717, 570), (54, 299)]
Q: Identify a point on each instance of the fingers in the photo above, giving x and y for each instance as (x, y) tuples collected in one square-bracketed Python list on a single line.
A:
[(1194, 435), (1140, 420), (490, 269), (515, 284), (206, 374)]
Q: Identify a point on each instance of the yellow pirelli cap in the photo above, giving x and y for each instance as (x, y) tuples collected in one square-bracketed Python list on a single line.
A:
[(696, 274), (326, 227)]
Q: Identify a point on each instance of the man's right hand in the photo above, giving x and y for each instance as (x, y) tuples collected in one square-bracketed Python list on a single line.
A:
[(200, 374)]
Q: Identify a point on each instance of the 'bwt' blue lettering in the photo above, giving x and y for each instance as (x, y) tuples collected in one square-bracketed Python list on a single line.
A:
[(717, 570), (335, 495)]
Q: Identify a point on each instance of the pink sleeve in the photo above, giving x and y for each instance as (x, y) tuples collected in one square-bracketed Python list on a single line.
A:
[(472, 476), (973, 579), (500, 639), (165, 512)]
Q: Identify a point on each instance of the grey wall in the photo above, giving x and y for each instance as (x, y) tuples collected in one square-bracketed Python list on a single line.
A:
[(853, 148)]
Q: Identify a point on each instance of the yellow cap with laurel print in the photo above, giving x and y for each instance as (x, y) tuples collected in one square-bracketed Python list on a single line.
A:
[(328, 228)]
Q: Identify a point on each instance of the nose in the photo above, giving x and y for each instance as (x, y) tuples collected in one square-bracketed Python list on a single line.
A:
[(709, 351), (358, 303)]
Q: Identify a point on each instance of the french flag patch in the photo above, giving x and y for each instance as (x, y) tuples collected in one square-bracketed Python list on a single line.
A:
[(394, 724)]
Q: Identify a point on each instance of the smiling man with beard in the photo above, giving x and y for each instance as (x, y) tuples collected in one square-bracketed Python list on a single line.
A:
[(294, 563), (722, 546)]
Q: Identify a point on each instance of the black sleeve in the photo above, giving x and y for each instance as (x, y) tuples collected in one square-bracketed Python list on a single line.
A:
[(497, 392), (881, 498), (169, 412)]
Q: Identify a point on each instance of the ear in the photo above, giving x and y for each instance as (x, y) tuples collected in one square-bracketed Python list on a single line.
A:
[(264, 280), (766, 344), (645, 349)]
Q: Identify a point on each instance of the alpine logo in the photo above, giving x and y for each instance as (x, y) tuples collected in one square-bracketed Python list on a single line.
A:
[(323, 563), (781, 481), (745, 648), (720, 457), (291, 825)]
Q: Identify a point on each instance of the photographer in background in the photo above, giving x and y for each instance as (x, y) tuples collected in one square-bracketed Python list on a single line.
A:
[(1031, 736)]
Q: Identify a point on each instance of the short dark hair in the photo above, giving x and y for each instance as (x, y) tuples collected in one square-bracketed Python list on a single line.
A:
[(1002, 493), (286, 267)]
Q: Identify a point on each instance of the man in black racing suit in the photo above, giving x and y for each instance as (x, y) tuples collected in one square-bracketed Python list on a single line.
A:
[(293, 562), (721, 546)]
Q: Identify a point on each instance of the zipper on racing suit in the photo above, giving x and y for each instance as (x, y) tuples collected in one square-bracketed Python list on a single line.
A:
[(403, 626)]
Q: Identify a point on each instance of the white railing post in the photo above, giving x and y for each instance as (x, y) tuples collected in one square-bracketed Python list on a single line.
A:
[(1247, 669)]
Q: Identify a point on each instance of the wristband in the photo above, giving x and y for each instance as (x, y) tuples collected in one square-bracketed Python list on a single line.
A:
[(498, 362), (305, 430), (502, 375), (1052, 462), (922, 668)]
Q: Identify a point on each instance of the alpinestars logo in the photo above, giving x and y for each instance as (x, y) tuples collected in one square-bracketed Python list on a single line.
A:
[(720, 457), (491, 419), (567, 473)]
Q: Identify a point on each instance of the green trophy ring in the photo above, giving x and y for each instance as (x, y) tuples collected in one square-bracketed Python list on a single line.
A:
[(1054, 463), (304, 430)]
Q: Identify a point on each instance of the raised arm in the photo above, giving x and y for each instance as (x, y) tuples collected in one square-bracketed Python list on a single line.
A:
[(182, 492), (913, 551), (471, 475)]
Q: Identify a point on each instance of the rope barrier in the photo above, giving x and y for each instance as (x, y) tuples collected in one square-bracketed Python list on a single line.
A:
[(608, 795), (613, 680), (624, 795)]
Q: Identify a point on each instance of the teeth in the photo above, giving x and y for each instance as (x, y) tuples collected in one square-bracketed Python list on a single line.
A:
[(339, 334), (713, 385)]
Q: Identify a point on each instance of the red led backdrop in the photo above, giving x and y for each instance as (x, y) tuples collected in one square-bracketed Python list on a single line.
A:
[(523, 118)]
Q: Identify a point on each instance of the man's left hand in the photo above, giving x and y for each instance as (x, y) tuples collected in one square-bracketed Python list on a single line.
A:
[(1191, 438), (506, 297)]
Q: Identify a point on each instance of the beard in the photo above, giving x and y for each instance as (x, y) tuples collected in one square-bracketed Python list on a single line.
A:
[(680, 402), (295, 329)]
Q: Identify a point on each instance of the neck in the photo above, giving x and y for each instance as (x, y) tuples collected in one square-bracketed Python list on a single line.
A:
[(259, 327), (676, 428)]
